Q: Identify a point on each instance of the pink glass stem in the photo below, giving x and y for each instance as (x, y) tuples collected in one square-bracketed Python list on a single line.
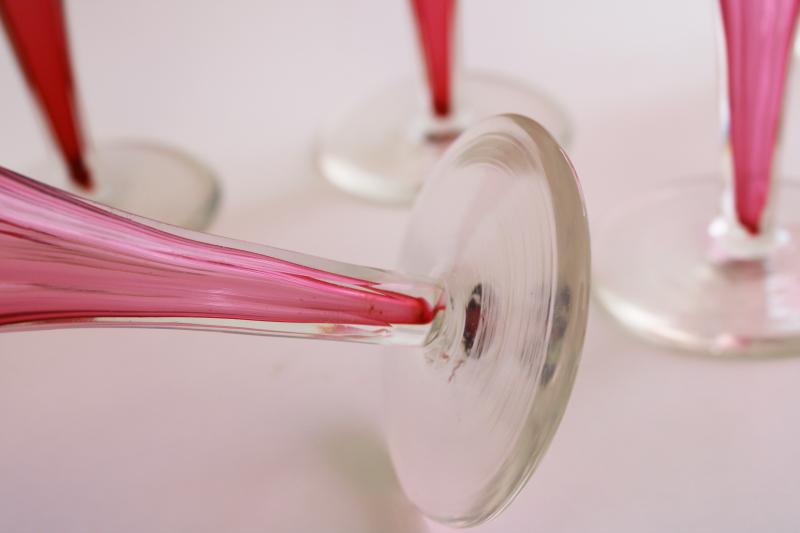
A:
[(759, 35), (65, 262), (435, 21), (37, 31)]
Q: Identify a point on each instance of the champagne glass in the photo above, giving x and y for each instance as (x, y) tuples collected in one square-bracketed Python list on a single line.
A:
[(487, 313), (383, 148), (146, 178), (713, 265)]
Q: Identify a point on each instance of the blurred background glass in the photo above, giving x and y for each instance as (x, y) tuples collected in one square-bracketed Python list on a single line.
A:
[(140, 177)]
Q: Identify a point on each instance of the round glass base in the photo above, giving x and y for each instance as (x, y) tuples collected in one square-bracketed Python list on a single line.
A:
[(501, 223), (669, 272), (149, 180), (385, 147)]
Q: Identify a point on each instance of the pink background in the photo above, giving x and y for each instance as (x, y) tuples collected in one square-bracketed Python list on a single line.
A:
[(130, 431)]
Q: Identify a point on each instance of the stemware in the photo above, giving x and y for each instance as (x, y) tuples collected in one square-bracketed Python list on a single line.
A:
[(490, 308), (383, 148), (713, 265), (141, 177)]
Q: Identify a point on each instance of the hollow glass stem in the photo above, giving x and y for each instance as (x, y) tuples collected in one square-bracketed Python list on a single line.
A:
[(435, 25), (37, 32), (758, 39), (66, 263)]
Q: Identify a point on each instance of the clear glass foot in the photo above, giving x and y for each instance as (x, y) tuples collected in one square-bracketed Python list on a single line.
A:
[(501, 223), (670, 273), (384, 148), (146, 179)]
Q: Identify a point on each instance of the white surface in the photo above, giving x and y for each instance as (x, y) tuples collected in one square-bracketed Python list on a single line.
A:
[(130, 431)]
